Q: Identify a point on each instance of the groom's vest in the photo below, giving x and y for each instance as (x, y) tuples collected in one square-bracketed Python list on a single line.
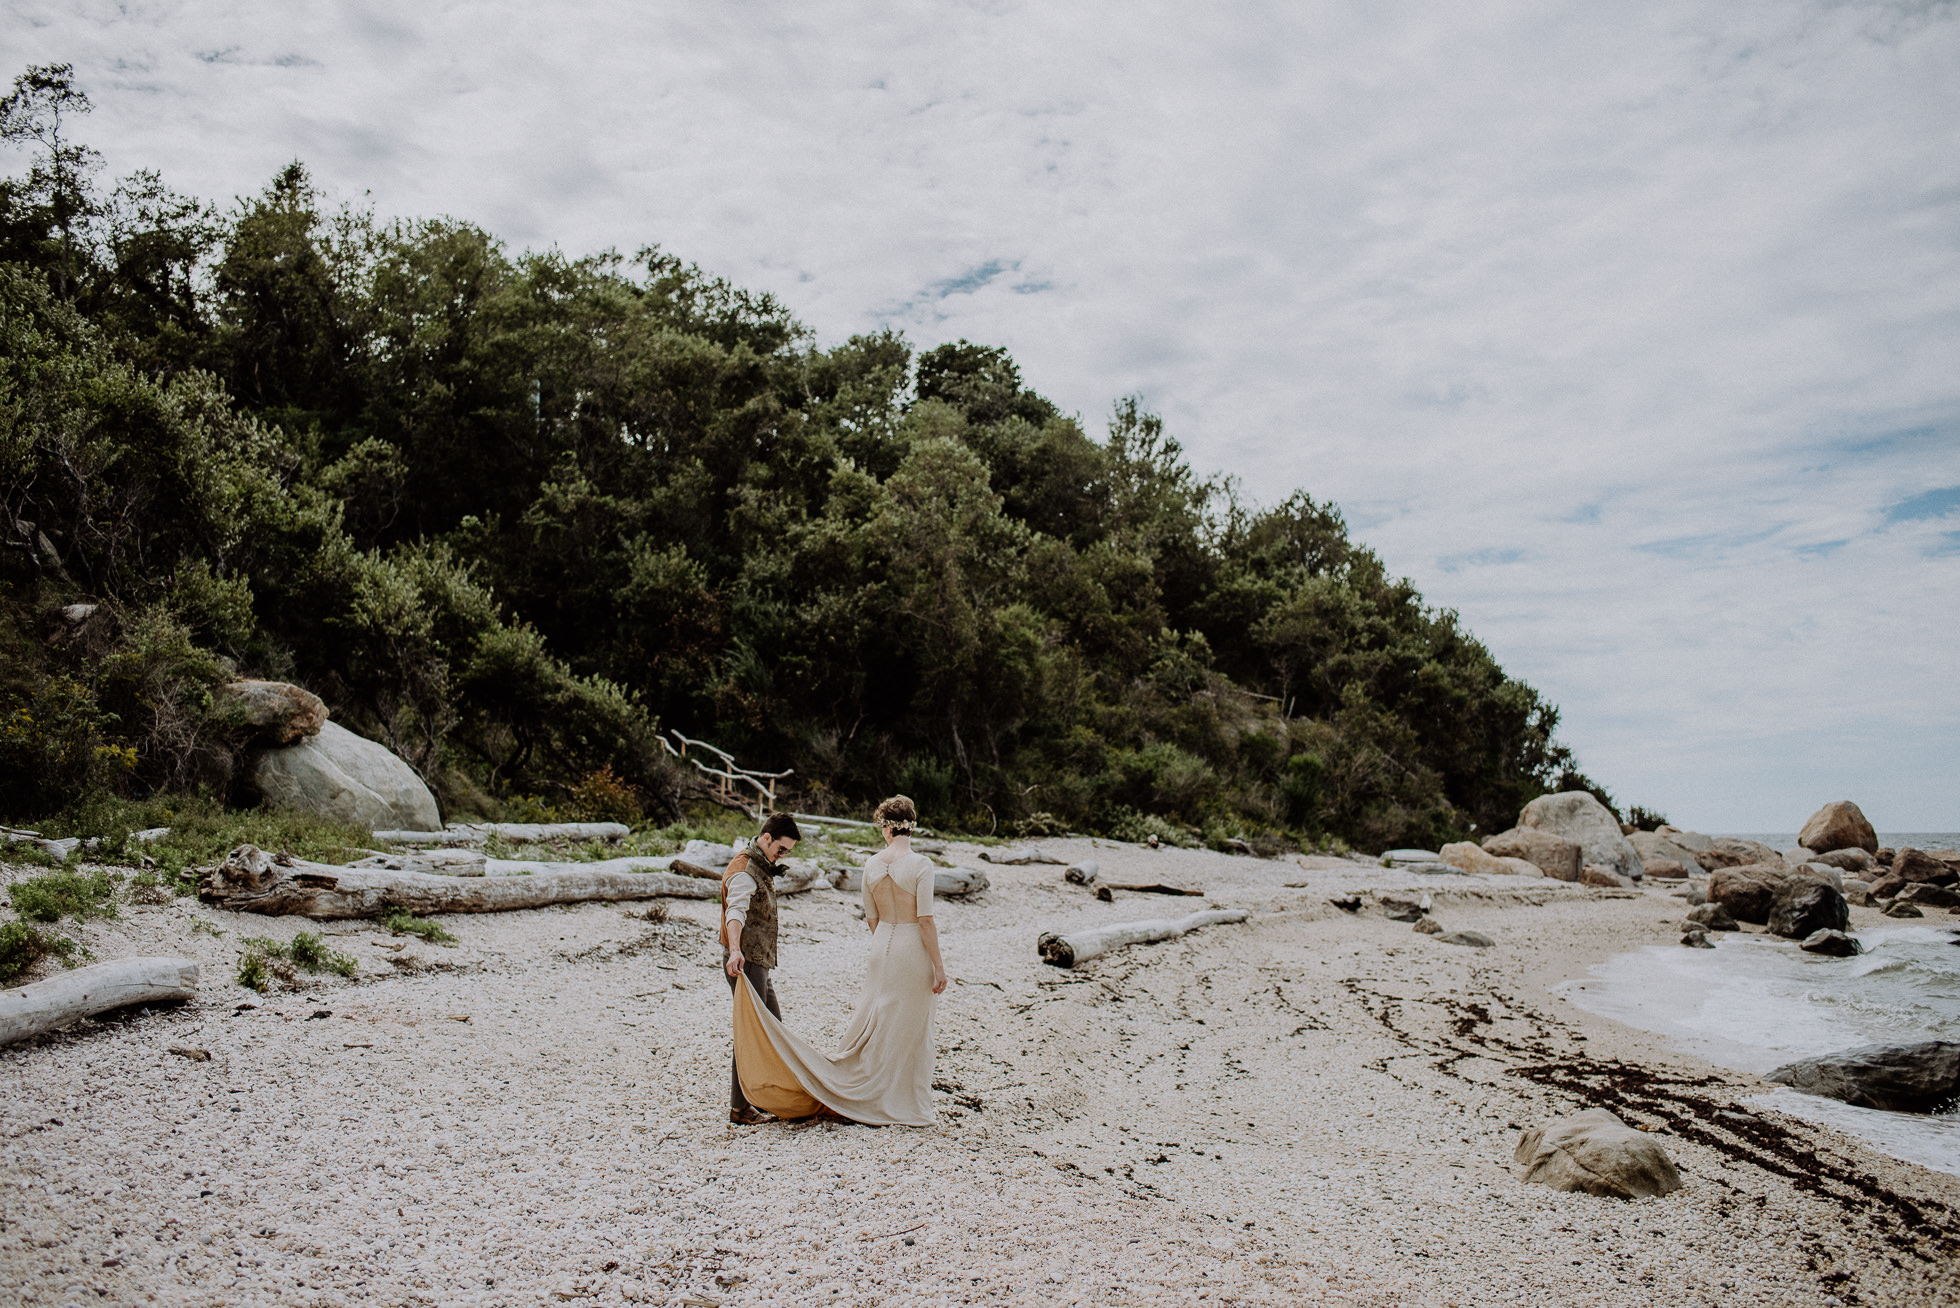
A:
[(759, 926)]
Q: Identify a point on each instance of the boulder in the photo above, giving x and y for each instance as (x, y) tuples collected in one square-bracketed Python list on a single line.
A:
[(1911, 864), (1899, 908), (1834, 943), (1653, 847), (1927, 895), (1474, 858), (1429, 926), (1887, 886), (1666, 869), (1838, 825), (1797, 855), (1803, 908), (1857, 893), (1733, 851), (1695, 892), (1596, 1152), (1714, 917), (1400, 907), (1585, 821), (1749, 892), (1917, 1078), (278, 712), (340, 775), (1697, 938), (1474, 939), (1595, 875), (1553, 855), (1846, 860), (1693, 841)]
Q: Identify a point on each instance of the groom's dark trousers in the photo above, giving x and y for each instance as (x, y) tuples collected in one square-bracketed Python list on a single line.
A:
[(759, 978)]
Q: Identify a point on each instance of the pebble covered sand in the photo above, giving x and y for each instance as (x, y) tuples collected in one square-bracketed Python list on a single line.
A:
[(1312, 1107)]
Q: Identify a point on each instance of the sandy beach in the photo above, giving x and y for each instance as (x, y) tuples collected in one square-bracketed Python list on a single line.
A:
[(1316, 1106)]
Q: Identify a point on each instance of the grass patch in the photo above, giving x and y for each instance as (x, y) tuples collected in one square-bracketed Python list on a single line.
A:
[(201, 926), (404, 923), (264, 959), (31, 855), (22, 946), (202, 831), (55, 895)]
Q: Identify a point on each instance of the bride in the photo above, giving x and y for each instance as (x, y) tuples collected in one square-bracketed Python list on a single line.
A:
[(882, 1073)]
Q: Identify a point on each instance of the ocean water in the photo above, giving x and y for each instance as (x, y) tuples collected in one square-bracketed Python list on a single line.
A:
[(1756, 1002)]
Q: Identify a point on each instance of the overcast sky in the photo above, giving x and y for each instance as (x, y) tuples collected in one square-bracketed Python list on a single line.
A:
[(1632, 332)]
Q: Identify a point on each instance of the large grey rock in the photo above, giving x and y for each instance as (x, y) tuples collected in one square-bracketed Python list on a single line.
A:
[(1474, 939), (1733, 851), (1586, 822), (1554, 855), (1846, 860), (1897, 1078), (1714, 917), (1803, 908), (1749, 892), (1911, 864), (1474, 858), (1653, 847), (1835, 944), (1690, 840), (278, 712), (340, 775), (1927, 895), (1596, 1152), (1838, 825)]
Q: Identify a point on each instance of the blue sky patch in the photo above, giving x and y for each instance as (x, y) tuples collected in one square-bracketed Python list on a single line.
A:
[(1926, 504)]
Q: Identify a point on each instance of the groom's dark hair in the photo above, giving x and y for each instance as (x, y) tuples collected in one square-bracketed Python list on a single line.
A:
[(781, 826)]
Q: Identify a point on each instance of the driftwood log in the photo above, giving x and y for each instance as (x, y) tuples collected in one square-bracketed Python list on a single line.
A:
[(251, 880), (947, 882), (1017, 857), (59, 1000), (1074, 948), (516, 833), (67, 845), (1105, 889), (1083, 873)]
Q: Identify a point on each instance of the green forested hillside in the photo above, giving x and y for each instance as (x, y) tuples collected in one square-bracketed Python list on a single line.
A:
[(514, 513)]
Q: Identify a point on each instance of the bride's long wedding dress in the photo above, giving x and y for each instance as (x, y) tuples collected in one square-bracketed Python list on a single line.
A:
[(882, 1073)]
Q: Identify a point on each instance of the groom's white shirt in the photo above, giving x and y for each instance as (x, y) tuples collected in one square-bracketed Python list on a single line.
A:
[(741, 888)]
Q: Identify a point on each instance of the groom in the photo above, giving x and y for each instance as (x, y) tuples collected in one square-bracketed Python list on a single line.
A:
[(748, 932)]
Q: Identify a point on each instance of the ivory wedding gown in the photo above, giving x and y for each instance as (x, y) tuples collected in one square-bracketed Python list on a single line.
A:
[(882, 1073)]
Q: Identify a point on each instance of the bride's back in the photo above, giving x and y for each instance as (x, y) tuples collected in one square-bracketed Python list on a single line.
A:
[(894, 888)]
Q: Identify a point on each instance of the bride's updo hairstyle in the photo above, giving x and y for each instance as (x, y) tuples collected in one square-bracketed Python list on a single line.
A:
[(897, 814)]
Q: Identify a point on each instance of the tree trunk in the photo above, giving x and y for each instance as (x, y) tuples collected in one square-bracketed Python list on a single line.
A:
[(1105, 889), (251, 880), (947, 882), (1078, 947), (45, 1005), (516, 833)]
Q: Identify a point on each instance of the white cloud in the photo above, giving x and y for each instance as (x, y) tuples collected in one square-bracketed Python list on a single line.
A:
[(1607, 324)]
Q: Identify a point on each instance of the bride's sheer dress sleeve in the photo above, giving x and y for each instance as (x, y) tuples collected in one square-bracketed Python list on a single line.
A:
[(864, 892), (923, 888)]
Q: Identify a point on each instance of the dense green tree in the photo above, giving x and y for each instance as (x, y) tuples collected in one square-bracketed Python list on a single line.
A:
[(513, 514)]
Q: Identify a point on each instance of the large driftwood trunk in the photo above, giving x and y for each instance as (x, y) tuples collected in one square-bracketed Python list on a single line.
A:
[(1078, 947), (45, 1005), (254, 881), (516, 833), (947, 882)]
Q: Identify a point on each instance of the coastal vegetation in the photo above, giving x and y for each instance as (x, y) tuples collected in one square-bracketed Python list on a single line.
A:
[(515, 514)]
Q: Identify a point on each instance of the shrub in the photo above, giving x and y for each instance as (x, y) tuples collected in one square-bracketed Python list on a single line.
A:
[(404, 923), (52, 750), (265, 959), (21, 946), (602, 796), (55, 895)]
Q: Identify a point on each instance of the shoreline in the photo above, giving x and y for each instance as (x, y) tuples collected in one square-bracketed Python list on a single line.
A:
[(1348, 1087)]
